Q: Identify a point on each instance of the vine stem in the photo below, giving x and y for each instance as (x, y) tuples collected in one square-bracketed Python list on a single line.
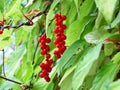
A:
[(3, 64), (11, 80)]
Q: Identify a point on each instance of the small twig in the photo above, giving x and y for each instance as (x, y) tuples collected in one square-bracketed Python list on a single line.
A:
[(35, 53), (3, 63), (28, 23), (11, 80)]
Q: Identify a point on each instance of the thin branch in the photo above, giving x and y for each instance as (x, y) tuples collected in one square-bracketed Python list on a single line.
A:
[(11, 80), (3, 64), (28, 23)]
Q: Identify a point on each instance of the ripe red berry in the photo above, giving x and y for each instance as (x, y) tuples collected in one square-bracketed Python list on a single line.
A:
[(39, 39), (56, 30), (58, 45), (47, 49), (56, 52), (48, 56), (56, 41), (45, 72), (43, 52), (63, 37), (42, 75), (43, 65), (49, 69), (63, 26), (43, 41), (47, 78), (57, 16), (58, 55), (42, 46), (64, 17), (50, 62), (48, 40), (1, 31)]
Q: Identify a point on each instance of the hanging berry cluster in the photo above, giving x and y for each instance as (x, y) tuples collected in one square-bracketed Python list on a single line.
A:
[(60, 36), (47, 66), (59, 42)]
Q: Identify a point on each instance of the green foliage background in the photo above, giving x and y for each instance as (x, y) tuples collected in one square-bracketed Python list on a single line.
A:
[(84, 65)]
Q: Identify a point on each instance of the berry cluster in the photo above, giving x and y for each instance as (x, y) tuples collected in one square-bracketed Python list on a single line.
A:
[(60, 37), (47, 66)]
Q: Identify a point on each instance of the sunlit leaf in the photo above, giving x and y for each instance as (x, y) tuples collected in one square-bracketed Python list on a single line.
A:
[(103, 8)]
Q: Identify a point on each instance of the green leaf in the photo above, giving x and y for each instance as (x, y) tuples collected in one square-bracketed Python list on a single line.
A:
[(116, 58), (6, 85), (84, 66), (105, 76), (39, 85), (5, 43), (77, 2), (68, 54), (67, 73), (15, 59), (77, 27), (24, 73), (50, 14), (67, 84), (103, 8), (108, 49), (2, 6), (98, 36), (115, 85), (116, 20), (13, 9)]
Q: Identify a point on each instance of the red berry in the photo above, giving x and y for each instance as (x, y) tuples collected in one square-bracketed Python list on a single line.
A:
[(63, 49), (58, 39), (1, 31), (56, 52), (63, 17), (63, 26), (47, 78), (47, 48), (57, 16), (58, 22), (56, 42), (63, 37), (45, 72), (62, 43), (42, 75), (39, 39), (58, 55), (48, 40), (50, 62), (56, 30), (42, 65), (58, 45), (61, 30), (42, 46), (43, 41), (49, 69), (43, 52), (48, 56)]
